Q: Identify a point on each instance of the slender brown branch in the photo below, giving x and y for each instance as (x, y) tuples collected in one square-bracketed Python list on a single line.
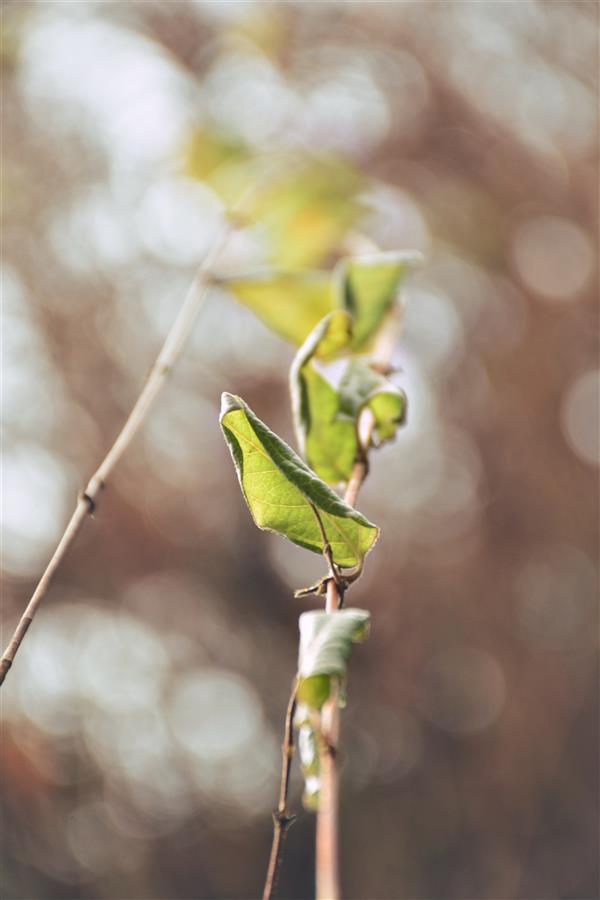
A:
[(327, 842), (88, 499), (282, 818), (327, 839)]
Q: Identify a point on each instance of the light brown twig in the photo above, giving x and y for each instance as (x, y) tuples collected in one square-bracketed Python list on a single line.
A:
[(327, 842), (88, 499)]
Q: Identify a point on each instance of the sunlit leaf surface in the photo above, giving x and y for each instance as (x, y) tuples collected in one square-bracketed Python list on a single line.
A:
[(285, 496)]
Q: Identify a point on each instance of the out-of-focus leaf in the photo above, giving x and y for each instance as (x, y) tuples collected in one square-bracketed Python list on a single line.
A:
[(289, 303), (303, 207), (325, 643), (207, 149), (285, 496), (306, 212), (325, 416), (326, 439), (222, 161), (367, 287), (292, 303), (362, 387)]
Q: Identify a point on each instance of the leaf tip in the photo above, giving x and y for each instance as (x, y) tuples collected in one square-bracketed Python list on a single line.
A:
[(229, 402)]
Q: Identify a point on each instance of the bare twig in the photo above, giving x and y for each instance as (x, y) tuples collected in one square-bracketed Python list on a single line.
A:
[(88, 499), (282, 818)]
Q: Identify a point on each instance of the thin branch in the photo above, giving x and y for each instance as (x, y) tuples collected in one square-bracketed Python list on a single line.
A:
[(327, 841), (89, 498), (327, 838), (282, 818)]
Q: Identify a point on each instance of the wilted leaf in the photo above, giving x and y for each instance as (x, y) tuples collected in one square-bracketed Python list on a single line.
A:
[(325, 643), (289, 303), (285, 496)]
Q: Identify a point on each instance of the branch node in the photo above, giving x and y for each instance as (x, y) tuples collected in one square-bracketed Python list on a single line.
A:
[(91, 503), (283, 819)]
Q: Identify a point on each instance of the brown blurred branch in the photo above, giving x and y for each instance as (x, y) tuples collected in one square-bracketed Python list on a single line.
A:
[(88, 499), (282, 818)]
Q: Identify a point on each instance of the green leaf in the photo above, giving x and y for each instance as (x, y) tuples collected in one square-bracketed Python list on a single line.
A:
[(325, 643), (221, 160), (367, 286), (362, 387), (326, 417), (326, 440), (289, 303), (285, 496)]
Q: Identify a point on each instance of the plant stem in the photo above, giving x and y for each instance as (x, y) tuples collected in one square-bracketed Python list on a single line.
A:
[(88, 499), (282, 818), (327, 841)]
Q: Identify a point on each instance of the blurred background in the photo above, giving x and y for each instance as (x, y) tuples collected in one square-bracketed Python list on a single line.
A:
[(143, 716)]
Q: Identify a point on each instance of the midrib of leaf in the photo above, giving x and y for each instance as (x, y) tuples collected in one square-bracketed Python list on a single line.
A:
[(344, 540)]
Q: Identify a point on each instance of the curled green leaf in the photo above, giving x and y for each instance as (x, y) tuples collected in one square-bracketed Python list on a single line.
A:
[(326, 439), (367, 286), (325, 643), (325, 416), (362, 387), (284, 495)]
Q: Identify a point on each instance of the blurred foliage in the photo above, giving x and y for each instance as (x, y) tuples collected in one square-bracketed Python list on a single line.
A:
[(302, 206)]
